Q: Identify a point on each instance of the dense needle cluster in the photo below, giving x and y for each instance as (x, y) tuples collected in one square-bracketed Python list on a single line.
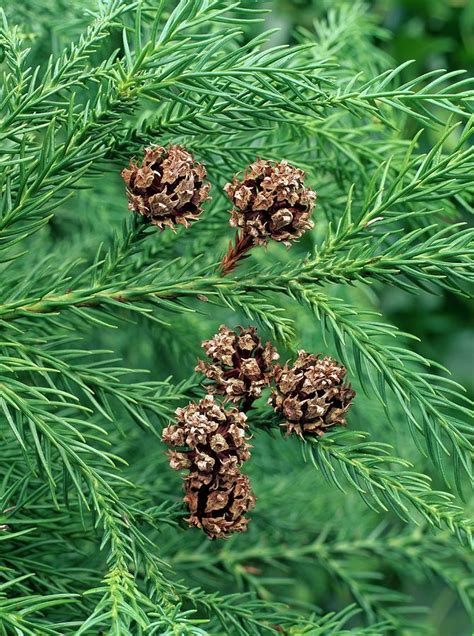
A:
[(168, 188), (311, 394), (212, 445), (271, 202), (241, 366)]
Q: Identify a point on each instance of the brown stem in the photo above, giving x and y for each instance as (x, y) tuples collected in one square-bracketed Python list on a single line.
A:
[(236, 252)]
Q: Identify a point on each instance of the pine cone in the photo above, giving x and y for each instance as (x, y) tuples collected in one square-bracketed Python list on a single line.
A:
[(218, 507), (271, 202), (241, 365), (168, 188), (215, 439), (215, 442), (311, 394)]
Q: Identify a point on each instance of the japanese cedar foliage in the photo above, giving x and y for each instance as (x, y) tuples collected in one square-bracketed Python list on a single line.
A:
[(102, 317)]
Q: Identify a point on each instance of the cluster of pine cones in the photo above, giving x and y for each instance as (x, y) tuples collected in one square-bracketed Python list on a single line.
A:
[(309, 394), (271, 201), (209, 440), (216, 492)]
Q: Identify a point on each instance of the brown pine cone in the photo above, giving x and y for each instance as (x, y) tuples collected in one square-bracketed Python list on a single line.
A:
[(311, 394), (241, 365), (271, 202), (168, 188), (213, 440), (219, 506), (213, 445)]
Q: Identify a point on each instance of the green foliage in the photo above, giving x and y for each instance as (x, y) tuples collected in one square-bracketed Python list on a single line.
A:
[(102, 317)]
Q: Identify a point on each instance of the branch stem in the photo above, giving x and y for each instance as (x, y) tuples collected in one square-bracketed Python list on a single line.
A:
[(236, 252)]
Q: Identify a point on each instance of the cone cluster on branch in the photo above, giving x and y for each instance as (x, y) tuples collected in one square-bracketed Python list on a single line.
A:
[(213, 445), (241, 366), (271, 202), (211, 442), (168, 188), (311, 394)]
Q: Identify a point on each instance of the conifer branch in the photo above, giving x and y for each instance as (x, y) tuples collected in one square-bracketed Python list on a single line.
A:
[(367, 468), (91, 530)]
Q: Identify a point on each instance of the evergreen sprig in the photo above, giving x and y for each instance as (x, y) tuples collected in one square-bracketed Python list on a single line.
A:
[(101, 319)]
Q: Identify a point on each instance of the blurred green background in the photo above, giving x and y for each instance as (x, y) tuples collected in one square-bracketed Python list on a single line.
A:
[(434, 34)]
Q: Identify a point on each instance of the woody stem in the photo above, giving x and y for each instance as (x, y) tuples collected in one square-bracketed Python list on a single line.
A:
[(236, 252)]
